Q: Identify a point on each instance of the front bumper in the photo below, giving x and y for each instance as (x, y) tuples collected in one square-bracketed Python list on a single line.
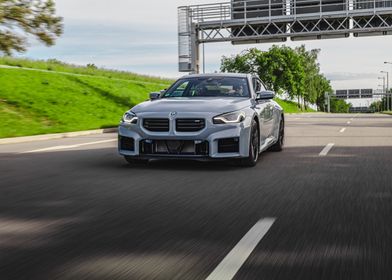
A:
[(208, 143)]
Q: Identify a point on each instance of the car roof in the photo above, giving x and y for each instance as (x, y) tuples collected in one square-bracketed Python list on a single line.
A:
[(231, 75)]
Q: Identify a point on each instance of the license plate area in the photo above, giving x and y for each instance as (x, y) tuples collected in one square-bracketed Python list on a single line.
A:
[(174, 147)]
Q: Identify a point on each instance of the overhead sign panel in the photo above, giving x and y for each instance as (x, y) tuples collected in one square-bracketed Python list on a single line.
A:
[(354, 93), (366, 93), (259, 9), (332, 26), (373, 24), (342, 94), (317, 6)]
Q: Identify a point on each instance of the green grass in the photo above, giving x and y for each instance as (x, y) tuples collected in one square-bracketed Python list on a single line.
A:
[(58, 66), (71, 98), (387, 112), (33, 102), (291, 107)]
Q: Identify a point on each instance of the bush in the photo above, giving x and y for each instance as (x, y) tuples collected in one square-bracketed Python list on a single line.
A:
[(339, 106)]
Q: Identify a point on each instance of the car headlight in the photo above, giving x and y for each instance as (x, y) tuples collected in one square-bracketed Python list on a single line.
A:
[(130, 118), (233, 117)]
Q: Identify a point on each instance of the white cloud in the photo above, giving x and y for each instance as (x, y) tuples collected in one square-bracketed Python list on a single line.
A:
[(142, 36), (142, 13)]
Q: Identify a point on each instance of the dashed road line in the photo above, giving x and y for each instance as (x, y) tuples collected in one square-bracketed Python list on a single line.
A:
[(230, 265), (348, 122), (326, 149), (66, 147), (342, 130)]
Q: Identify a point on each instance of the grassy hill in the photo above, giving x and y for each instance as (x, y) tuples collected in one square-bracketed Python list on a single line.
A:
[(290, 106), (51, 96), (91, 70), (35, 102)]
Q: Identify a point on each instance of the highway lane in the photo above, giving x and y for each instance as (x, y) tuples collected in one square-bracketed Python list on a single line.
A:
[(83, 213)]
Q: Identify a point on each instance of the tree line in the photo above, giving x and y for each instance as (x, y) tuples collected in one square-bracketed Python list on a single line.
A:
[(293, 71)]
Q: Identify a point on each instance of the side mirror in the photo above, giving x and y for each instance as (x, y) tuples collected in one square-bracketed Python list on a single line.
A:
[(155, 95), (265, 95)]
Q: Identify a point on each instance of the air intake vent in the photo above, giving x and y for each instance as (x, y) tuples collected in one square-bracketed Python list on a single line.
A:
[(127, 143), (156, 125), (229, 145), (190, 125)]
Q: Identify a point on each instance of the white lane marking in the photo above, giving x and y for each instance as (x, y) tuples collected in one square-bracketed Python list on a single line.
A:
[(342, 130), (326, 150), (348, 122), (65, 147), (230, 265)]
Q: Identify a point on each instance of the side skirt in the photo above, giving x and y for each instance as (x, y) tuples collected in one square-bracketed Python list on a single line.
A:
[(268, 143)]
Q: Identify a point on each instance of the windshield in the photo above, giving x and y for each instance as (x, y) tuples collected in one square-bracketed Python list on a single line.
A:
[(209, 87)]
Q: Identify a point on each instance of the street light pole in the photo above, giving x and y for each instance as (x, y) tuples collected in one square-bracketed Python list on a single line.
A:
[(390, 97), (380, 87), (383, 91), (383, 83), (387, 89)]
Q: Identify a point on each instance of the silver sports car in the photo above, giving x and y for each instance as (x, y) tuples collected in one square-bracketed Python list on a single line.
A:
[(214, 116)]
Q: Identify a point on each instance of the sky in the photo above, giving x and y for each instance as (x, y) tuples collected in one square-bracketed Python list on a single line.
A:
[(141, 36)]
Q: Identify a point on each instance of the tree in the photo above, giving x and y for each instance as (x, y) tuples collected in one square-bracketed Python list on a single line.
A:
[(245, 62), (295, 72), (321, 86), (31, 17), (339, 106), (312, 73), (377, 106)]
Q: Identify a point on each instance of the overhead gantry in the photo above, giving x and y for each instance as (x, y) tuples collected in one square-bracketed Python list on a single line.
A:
[(266, 21)]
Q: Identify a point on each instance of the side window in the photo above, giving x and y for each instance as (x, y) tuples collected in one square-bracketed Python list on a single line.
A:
[(262, 87), (256, 85)]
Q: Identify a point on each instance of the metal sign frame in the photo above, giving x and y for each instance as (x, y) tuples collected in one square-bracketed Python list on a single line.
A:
[(260, 21)]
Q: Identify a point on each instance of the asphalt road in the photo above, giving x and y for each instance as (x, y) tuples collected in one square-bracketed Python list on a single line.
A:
[(73, 209)]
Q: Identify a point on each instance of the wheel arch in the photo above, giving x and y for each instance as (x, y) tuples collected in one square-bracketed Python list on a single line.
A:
[(283, 117), (257, 120)]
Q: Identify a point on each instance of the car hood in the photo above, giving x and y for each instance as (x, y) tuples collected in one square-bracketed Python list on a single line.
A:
[(193, 104)]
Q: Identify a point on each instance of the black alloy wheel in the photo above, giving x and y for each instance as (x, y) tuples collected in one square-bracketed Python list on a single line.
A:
[(278, 146), (254, 146)]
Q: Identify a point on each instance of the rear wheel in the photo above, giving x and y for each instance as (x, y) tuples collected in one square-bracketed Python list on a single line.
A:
[(254, 147), (278, 146), (134, 161)]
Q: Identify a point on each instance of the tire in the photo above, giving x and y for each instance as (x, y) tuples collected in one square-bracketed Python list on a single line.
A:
[(254, 147), (278, 146), (135, 161)]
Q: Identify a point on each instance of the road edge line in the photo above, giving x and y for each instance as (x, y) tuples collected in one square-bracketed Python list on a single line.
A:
[(67, 147), (43, 137)]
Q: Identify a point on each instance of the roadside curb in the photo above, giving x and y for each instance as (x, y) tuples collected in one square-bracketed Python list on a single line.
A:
[(23, 139)]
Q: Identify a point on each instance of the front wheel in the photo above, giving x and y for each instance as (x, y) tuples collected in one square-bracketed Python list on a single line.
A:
[(254, 147), (278, 146)]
